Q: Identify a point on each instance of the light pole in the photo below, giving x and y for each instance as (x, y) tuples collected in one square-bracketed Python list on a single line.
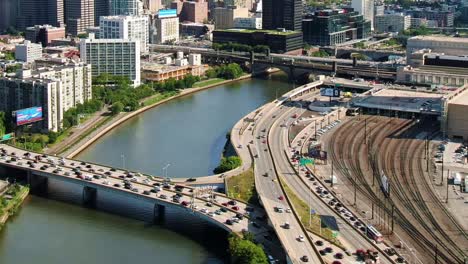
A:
[(165, 170), (123, 160)]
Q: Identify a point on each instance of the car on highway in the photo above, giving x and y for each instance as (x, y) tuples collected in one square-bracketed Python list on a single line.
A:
[(281, 198), (235, 208), (300, 238), (286, 225), (229, 222), (163, 196), (146, 192), (305, 258)]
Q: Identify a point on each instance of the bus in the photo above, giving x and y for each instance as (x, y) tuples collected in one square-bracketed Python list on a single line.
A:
[(372, 233), (352, 111)]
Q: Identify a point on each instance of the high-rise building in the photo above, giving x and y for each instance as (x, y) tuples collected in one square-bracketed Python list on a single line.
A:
[(248, 22), (55, 89), (331, 27), (119, 57), (44, 34), (167, 26), (101, 8), (194, 11), (8, 13), (224, 16), (28, 51), (126, 7), (282, 14), (365, 8), (39, 12), (79, 16), (152, 5), (126, 27)]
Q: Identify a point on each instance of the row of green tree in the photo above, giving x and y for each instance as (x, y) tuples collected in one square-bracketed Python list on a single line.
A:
[(228, 164), (229, 71), (232, 46), (245, 250)]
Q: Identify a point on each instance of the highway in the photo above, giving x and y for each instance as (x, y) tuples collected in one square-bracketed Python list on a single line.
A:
[(351, 238)]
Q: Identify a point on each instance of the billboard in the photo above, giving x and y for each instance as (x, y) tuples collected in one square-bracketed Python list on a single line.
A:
[(167, 13), (28, 115), (331, 92)]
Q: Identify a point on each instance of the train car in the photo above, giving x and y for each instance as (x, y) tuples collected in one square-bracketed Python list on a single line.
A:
[(372, 233)]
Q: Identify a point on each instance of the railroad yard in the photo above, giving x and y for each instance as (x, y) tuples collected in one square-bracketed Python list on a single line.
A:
[(407, 210)]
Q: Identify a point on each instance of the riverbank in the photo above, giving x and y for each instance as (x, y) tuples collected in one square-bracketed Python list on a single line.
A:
[(85, 142), (12, 204)]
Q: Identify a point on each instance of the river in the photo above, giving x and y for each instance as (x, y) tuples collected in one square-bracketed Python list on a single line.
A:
[(188, 133)]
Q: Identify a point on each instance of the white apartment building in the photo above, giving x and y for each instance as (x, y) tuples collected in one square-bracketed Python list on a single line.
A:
[(365, 8), (119, 57), (392, 22), (126, 27), (167, 29), (194, 59), (248, 22), (28, 52), (55, 89)]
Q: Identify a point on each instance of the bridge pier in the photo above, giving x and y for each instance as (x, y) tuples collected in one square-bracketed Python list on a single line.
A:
[(89, 197), (159, 213), (37, 184)]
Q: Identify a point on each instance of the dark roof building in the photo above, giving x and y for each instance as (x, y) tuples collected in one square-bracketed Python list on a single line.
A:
[(277, 41), (282, 14)]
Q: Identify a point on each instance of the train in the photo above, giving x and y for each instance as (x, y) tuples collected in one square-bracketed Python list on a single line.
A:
[(372, 233)]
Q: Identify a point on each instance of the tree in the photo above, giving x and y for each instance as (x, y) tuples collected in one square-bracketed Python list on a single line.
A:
[(211, 73), (53, 136), (117, 107), (228, 164), (246, 252)]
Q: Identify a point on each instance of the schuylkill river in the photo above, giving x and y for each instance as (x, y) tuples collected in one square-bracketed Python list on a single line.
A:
[(188, 133)]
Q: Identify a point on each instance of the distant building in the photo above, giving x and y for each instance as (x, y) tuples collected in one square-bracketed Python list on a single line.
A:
[(101, 8), (38, 12), (28, 51), (125, 7), (418, 22), (8, 14), (152, 5), (248, 22), (331, 27), (79, 16), (44, 34), (365, 8), (443, 18), (224, 16), (277, 41), (117, 57), (392, 22), (379, 10), (437, 44), (195, 29), (194, 11), (167, 26), (126, 27), (55, 89), (282, 14)]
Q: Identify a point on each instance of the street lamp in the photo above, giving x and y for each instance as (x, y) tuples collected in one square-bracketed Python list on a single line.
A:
[(165, 170), (123, 160)]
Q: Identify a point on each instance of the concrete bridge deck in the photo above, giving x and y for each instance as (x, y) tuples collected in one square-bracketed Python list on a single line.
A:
[(198, 199)]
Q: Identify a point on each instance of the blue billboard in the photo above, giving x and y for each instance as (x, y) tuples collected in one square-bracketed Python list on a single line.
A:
[(167, 13), (28, 115)]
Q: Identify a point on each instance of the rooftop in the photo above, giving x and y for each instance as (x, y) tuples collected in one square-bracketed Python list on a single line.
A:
[(441, 38), (404, 100), (273, 32)]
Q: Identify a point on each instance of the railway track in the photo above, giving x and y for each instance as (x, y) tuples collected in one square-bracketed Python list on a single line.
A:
[(402, 154), (353, 167)]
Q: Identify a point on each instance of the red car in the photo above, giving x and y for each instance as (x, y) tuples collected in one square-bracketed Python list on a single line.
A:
[(235, 208), (184, 203), (225, 204), (281, 197)]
